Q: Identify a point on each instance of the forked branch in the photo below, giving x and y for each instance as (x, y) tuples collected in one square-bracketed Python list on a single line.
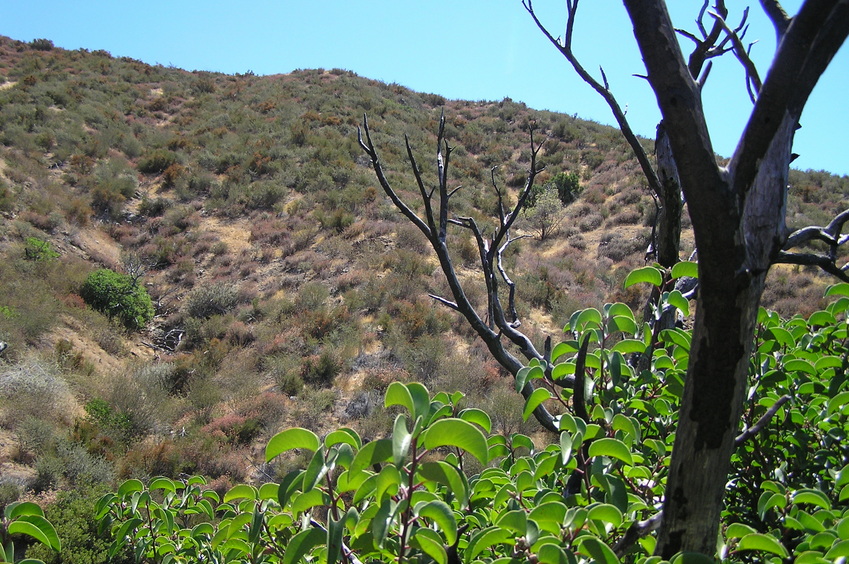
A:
[(565, 48), (832, 235), (434, 226)]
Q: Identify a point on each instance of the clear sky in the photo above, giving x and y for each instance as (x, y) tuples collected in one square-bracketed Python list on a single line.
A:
[(461, 49)]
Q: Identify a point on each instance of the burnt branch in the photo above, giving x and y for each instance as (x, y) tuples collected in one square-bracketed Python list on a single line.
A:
[(753, 79), (565, 48), (832, 235), (761, 423), (776, 14), (435, 225), (635, 532)]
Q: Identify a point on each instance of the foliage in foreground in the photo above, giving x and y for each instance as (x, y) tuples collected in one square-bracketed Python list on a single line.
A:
[(25, 519), (441, 487)]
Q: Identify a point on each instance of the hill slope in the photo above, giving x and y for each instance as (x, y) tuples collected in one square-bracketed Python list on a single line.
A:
[(287, 288)]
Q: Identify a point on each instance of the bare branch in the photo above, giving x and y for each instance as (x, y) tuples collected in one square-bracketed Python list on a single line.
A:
[(762, 422), (741, 53), (810, 259), (565, 49), (368, 147), (777, 16), (832, 235), (806, 48), (435, 229), (445, 302), (635, 532)]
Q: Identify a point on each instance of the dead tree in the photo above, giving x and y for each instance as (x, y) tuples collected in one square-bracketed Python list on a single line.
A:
[(738, 216), (499, 326)]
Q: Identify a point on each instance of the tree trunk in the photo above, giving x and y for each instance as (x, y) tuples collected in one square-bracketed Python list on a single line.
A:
[(731, 283)]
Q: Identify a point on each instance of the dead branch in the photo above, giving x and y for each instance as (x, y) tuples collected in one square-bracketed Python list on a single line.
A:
[(635, 532), (777, 15), (762, 422), (565, 48), (434, 226), (832, 235)]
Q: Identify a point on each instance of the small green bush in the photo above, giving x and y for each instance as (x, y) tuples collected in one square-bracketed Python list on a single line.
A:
[(38, 250), (118, 295), (157, 161)]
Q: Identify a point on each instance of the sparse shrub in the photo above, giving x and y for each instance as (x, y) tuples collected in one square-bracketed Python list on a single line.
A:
[(34, 387), (157, 161), (153, 207), (320, 370), (41, 44), (213, 299), (118, 295)]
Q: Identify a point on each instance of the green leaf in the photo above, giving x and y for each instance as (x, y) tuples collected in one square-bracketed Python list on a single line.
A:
[(36, 527), (307, 500), (554, 554), (457, 433), (600, 552), (692, 558), (685, 269), (17, 509), (837, 402), (301, 544), (401, 440), (343, 436), (443, 473), (241, 491), (439, 512), (840, 549), (584, 319), (129, 487), (648, 274), (536, 398), (484, 539), (821, 319), (477, 416), (372, 453), (528, 373), (290, 439), (764, 543), (565, 347), (629, 346), (814, 497), (612, 448), (605, 513), (565, 447), (162, 483), (839, 289), (388, 480), (428, 541), (622, 324), (413, 396), (676, 299)]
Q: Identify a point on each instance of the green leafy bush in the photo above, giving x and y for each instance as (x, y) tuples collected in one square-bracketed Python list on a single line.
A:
[(39, 250), (118, 295), (443, 484), (157, 161)]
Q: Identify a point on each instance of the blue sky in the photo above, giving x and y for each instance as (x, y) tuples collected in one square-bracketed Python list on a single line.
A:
[(461, 49)]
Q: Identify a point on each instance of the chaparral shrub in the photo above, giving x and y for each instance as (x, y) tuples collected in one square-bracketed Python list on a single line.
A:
[(118, 295)]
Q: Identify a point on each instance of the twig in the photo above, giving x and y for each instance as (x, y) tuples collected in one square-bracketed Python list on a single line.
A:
[(762, 422)]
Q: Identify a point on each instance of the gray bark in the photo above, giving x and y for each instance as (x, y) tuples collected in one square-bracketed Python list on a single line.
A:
[(738, 223)]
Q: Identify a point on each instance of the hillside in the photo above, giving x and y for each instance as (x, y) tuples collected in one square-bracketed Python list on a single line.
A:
[(287, 289)]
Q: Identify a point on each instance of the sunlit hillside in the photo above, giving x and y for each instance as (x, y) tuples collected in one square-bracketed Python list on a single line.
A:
[(286, 288)]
